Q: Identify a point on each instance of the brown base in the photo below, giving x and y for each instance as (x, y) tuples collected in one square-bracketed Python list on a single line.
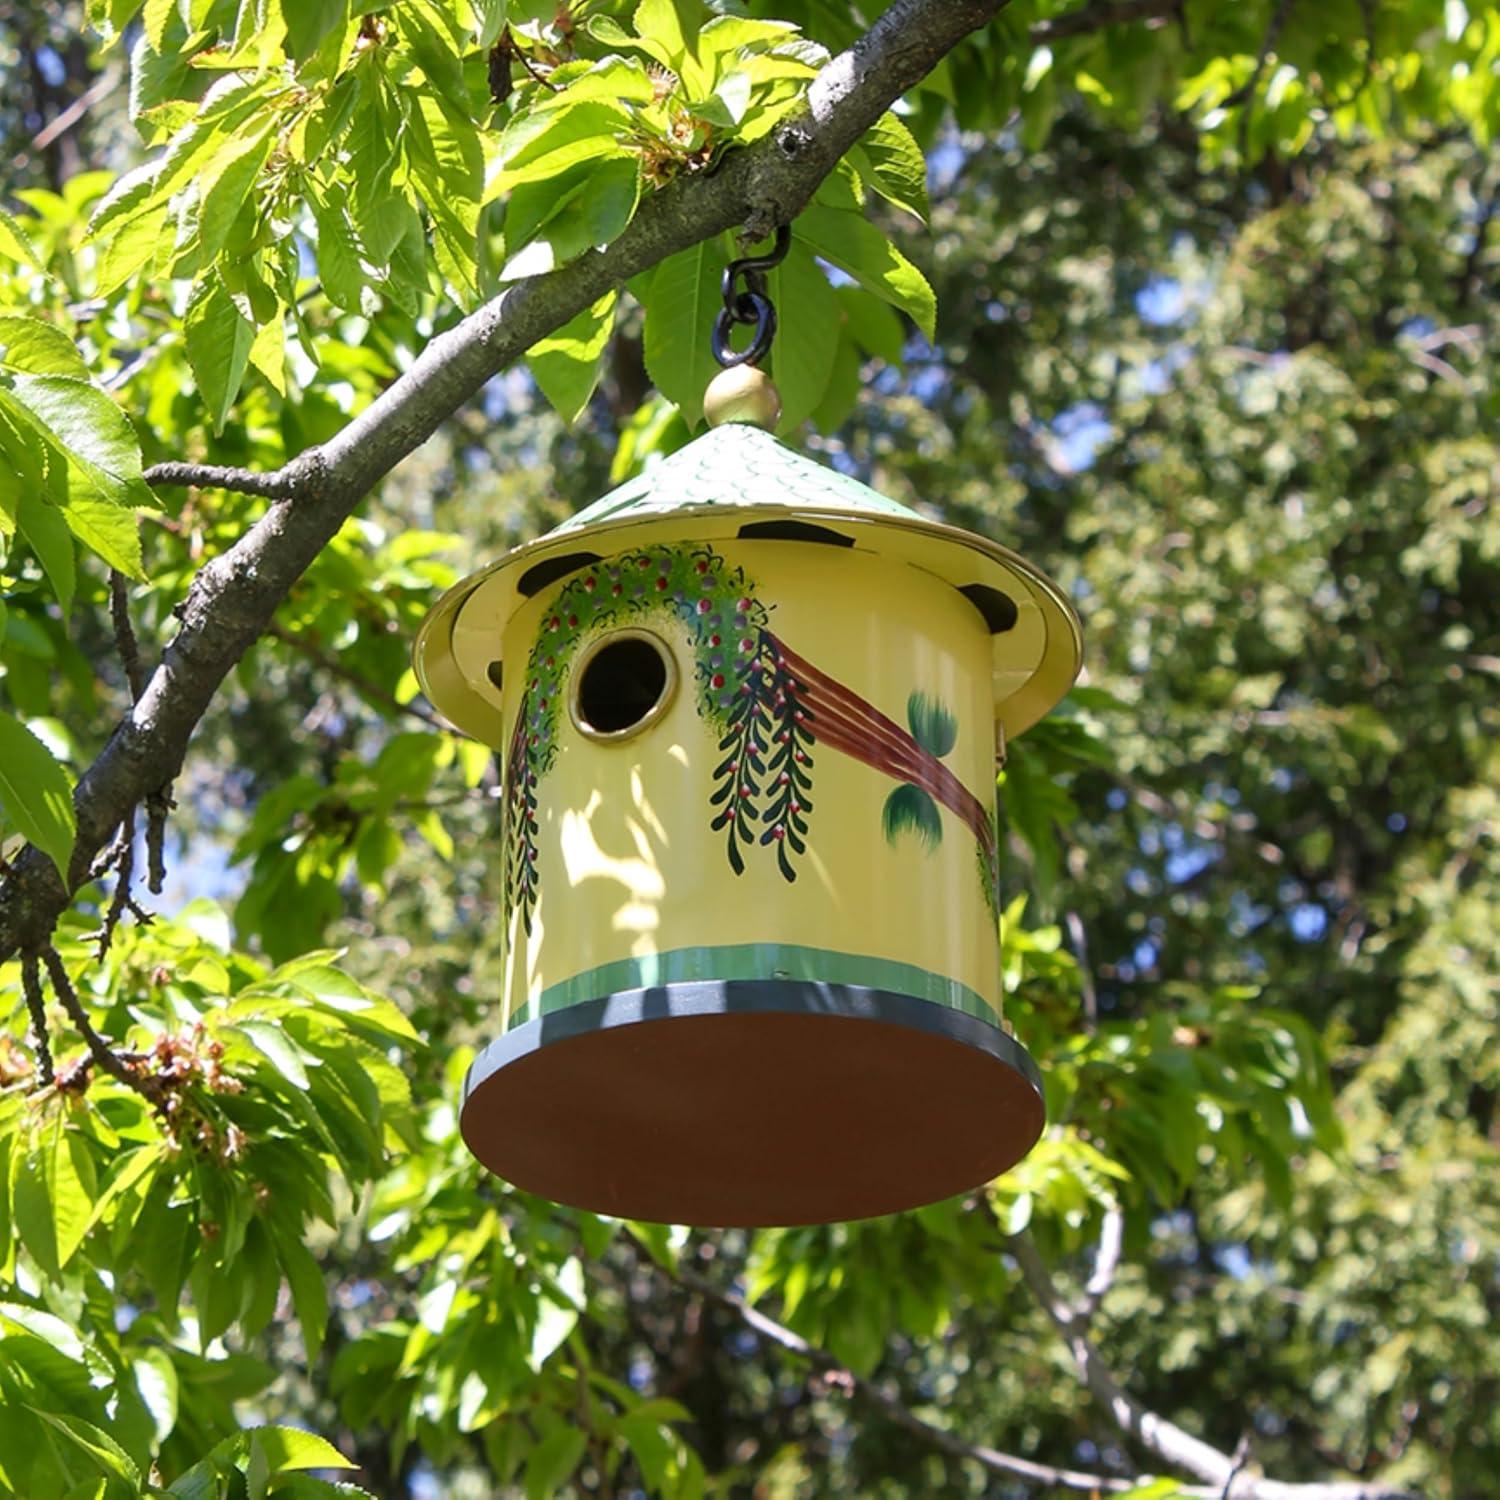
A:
[(748, 1103)]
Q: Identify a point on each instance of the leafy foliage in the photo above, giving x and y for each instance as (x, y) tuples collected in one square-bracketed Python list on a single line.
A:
[(1197, 322)]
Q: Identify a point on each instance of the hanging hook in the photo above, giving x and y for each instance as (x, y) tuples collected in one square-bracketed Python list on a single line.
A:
[(751, 306)]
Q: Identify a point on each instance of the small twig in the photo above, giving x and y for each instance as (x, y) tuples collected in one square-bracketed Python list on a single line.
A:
[(1085, 970), (158, 805), (1245, 93), (520, 56), (1097, 17), (66, 119), (31, 985), (99, 1049), (276, 484), (122, 901), (1106, 1262), (125, 641), (372, 690)]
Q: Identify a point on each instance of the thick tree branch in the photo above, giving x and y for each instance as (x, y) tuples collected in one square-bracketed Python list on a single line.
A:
[(1155, 1433), (892, 1409), (234, 596)]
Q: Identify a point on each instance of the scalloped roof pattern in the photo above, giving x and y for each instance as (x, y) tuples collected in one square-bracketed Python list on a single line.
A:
[(736, 466)]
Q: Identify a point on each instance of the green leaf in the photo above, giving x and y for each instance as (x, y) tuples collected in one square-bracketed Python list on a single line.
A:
[(130, 247), (289, 1448), (232, 174), (34, 793), (97, 1446), (933, 727), (552, 1460), (52, 1191), (15, 243), (309, 1292), (897, 168), (41, 348), (489, 21), (218, 338), (544, 143), (92, 431), (566, 364), (807, 327), (910, 809), (557, 1316), (129, 1170), (682, 300), (157, 1385), (308, 22), (339, 267), (872, 324), (849, 241)]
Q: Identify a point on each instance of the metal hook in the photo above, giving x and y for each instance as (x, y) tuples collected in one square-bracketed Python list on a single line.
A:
[(751, 306)]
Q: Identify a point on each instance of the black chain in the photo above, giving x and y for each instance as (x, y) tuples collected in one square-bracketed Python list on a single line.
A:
[(752, 306)]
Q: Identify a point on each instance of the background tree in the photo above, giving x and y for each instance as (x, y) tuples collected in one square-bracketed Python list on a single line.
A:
[(1199, 320)]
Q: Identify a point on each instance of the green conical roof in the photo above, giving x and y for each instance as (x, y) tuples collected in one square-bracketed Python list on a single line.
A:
[(732, 482), (739, 467)]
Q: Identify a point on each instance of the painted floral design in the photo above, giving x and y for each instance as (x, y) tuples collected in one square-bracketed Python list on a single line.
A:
[(726, 627), (768, 706)]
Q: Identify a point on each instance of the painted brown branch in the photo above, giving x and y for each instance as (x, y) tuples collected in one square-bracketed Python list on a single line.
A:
[(1090, 18), (332, 665), (888, 1406), (99, 1049), (234, 596), (31, 985), (1158, 1436), (844, 720)]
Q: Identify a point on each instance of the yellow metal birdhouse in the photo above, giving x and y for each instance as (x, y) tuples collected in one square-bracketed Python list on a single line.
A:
[(749, 712)]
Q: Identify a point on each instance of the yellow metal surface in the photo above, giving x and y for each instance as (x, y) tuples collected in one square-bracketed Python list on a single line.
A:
[(634, 885)]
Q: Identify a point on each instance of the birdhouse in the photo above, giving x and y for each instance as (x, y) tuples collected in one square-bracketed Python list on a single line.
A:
[(749, 712)]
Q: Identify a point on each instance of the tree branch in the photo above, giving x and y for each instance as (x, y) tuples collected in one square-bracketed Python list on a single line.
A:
[(334, 667), (1164, 1439), (99, 1049), (31, 986), (892, 1409), (234, 596), (277, 485), (1097, 17)]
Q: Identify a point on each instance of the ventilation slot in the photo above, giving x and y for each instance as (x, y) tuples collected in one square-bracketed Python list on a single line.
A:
[(793, 531), (550, 569), (999, 610)]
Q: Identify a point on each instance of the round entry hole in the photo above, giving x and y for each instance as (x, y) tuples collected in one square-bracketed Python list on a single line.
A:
[(623, 684)]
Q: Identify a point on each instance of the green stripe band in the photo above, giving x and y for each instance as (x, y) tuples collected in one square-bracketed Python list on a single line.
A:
[(767, 961)]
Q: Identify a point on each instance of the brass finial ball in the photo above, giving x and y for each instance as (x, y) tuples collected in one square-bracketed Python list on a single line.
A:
[(742, 393)]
